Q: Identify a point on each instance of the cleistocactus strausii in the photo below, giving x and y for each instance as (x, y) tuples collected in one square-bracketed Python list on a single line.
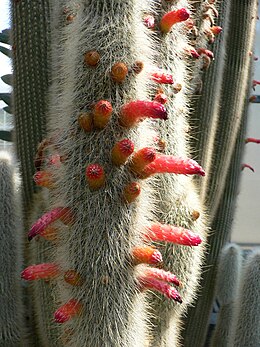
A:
[(227, 285), (226, 134), (246, 323), (30, 58), (12, 312), (107, 77)]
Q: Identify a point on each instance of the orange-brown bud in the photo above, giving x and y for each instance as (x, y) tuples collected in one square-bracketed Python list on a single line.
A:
[(146, 254), (119, 72), (102, 113), (95, 176), (91, 58), (73, 278), (85, 121), (121, 151), (131, 192), (141, 158)]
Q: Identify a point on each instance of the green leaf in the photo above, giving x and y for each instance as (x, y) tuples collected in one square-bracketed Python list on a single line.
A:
[(8, 79), (5, 36), (6, 135), (8, 109), (6, 97), (6, 51)]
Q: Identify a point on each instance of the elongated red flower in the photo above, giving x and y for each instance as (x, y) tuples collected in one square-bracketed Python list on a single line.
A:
[(171, 233), (171, 164), (146, 255), (148, 282), (135, 111), (141, 158), (122, 151), (161, 274), (252, 139), (67, 311), (95, 176), (247, 166), (62, 213), (173, 17), (161, 77), (45, 271), (43, 179)]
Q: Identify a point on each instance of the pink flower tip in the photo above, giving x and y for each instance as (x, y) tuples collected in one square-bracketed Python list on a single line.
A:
[(173, 17), (67, 311), (161, 77), (41, 271)]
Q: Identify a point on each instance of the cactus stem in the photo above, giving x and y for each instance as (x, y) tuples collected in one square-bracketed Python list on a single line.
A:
[(170, 233), (173, 17), (95, 176), (146, 254), (148, 282), (44, 271), (67, 311), (135, 111)]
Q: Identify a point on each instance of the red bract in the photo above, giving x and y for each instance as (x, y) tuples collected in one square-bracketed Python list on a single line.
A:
[(62, 213), (148, 282), (170, 164), (135, 111), (173, 17), (44, 271), (67, 311), (170, 233)]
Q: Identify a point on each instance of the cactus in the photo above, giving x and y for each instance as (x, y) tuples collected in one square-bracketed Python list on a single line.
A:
[(227, 284), (118, 169), (12, 325), (246, 321), (224, 161), (30, 47)]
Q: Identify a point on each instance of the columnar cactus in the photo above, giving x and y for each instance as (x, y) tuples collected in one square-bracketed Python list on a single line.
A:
[(30, 47), (12, 322), (227, 284), (103, 146), (246, 325)]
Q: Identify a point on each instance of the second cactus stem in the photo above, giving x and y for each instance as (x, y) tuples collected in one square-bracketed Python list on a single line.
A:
[(99, 162)]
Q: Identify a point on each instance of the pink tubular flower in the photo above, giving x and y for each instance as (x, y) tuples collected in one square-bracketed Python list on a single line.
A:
[(62, 213), (135, 111), (161, 274), (171, 164), (67, 311), (148, 282), (247, 166), (252, 139), (173, 17), (161, 77), (43, 271), (170, 233)]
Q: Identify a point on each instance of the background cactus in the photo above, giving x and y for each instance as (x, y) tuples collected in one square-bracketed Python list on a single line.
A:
[(12, 313), (246, 319), (98, 52), (227, 284)]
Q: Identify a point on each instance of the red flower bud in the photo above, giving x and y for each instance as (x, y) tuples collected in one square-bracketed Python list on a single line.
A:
[(146, 254), (121, 151), (161, 77), (43, 179), (67, 311), (45, 271), (73, 278), (131, 192), (95, 176), (141, 158), (102, 113), (173, 17), (161, 274)]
